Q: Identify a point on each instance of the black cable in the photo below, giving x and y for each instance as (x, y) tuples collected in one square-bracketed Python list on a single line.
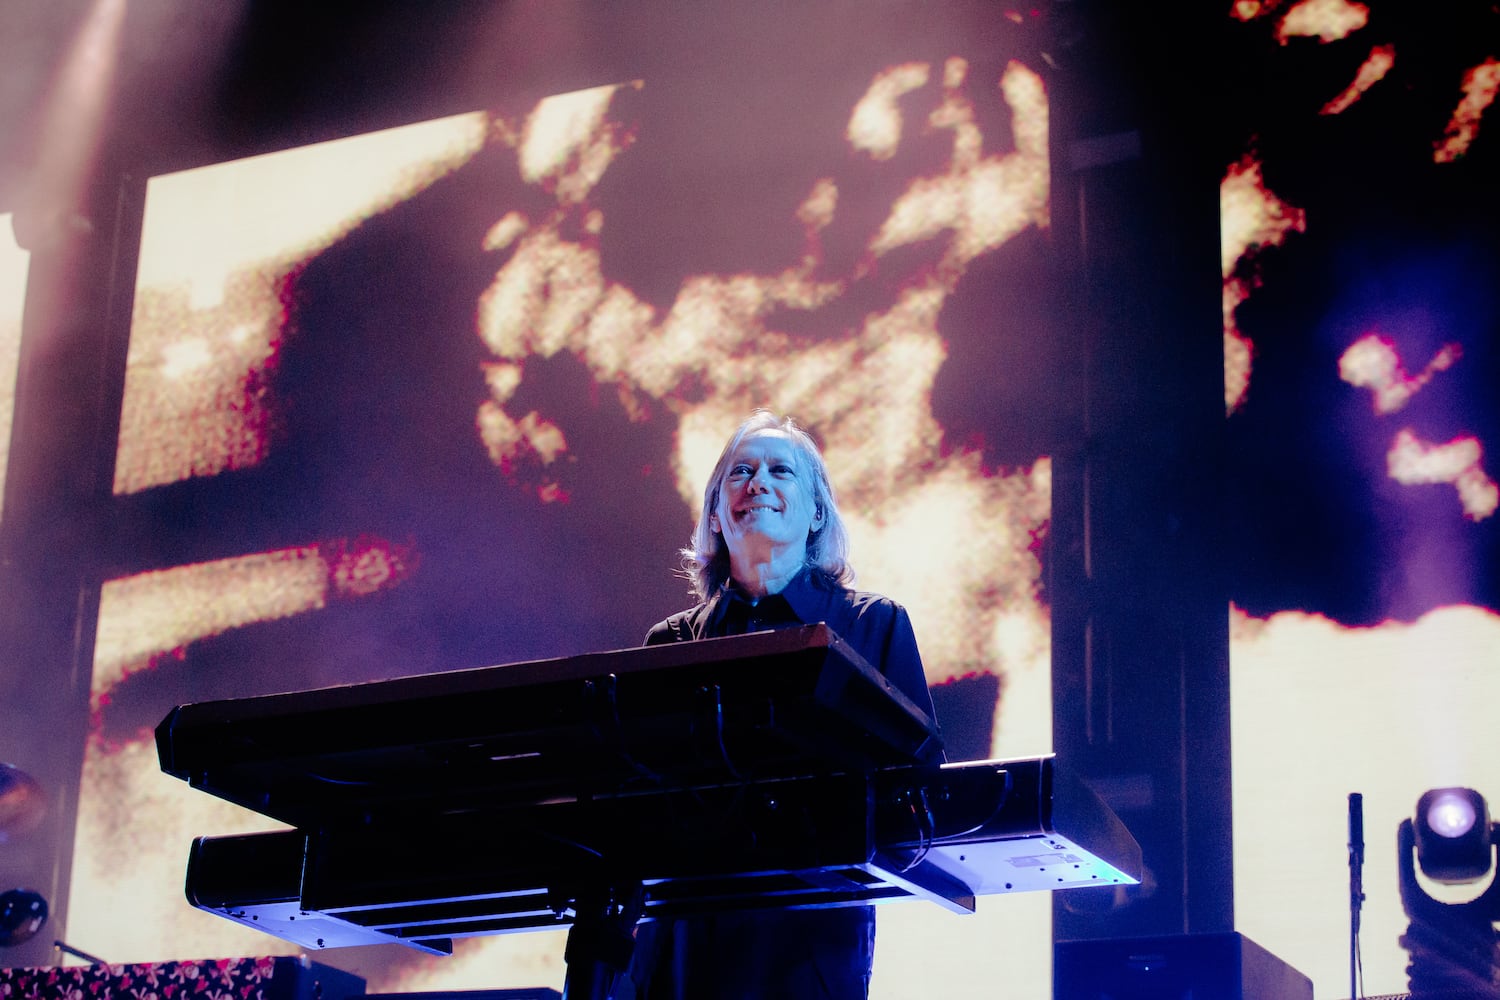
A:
[(615, 739), (734, 772), (926, 827)]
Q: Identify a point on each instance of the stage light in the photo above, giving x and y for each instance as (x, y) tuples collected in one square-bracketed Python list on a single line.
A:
[(1453, 835), (1450, 813), (22, 914), (1455, 951)]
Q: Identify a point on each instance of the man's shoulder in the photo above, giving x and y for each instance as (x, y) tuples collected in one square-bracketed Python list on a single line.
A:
[(679, 627), (823, 596), (867, 599)]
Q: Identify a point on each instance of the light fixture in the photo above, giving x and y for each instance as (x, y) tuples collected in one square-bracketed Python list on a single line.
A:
[(22, 914), (1452, 829), (1453, 946)]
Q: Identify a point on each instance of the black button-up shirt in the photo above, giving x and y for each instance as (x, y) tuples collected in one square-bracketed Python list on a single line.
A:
[(876, 627), (798, 954)]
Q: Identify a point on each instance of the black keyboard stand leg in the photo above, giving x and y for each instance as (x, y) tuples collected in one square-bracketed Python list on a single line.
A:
[(601, 942)]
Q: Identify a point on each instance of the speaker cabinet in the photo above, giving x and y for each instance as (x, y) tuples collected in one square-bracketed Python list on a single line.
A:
[(1225, 966)]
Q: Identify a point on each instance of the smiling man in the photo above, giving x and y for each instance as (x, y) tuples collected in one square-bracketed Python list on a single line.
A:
[(770, 551), (766, 512)]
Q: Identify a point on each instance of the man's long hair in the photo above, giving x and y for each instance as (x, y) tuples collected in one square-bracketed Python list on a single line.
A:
[(705, 562)]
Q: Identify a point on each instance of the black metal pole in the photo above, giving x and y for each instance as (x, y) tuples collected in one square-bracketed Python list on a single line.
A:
[(601, 941), (1356, 885)]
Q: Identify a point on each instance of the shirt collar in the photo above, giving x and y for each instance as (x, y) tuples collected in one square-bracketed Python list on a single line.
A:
[(809, 598)]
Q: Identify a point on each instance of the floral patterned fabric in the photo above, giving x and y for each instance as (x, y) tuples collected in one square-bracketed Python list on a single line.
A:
[(212, 979)]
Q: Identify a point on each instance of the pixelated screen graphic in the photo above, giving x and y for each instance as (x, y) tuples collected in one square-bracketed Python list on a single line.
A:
[(446, 396), (14, 264), (1361, 321)]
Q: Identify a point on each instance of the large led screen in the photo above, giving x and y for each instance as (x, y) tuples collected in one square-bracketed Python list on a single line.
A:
[(446, 395), (14, 265), (1360, 252)]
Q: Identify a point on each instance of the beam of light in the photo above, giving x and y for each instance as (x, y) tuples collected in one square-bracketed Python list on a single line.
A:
[(73, 123), (1376, 65), (1480, 85), (1325, 20), (15, 264), (1251, 219), (1371, 362), (1412, 461)]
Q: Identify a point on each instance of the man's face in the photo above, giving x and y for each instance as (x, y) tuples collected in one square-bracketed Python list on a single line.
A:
[(765, 499)]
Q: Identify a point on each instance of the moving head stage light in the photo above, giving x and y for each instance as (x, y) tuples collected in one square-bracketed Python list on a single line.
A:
[(1452, 945)]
